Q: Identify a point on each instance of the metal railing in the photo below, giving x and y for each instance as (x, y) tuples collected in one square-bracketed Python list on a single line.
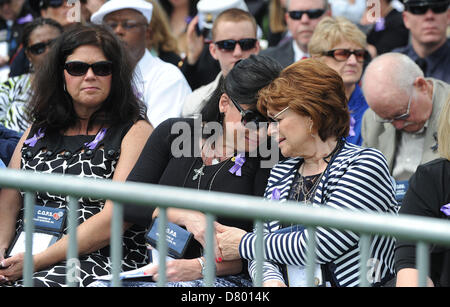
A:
[(422, 230)]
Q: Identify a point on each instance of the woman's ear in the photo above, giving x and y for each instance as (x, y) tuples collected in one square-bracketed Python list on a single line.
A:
[(224, 103)]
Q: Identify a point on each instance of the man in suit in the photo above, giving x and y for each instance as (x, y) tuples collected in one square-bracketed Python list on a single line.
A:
[(404, 111), (302, 16)]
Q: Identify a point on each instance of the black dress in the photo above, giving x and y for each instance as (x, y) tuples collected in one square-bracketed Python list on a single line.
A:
[(157, 164), (429, 191), (76, 155)]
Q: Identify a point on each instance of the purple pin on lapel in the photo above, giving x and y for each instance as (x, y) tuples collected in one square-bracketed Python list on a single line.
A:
[(446, 209), (276, 194), (239, 160), (100, 135), (36, 137), (352, 126)]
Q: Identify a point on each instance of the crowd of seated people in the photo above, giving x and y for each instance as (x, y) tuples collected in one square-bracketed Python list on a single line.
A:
[(333, 90)]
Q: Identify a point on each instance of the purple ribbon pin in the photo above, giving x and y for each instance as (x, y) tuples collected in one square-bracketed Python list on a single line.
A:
[(446, 209), (36, 137), (276, 194), (100, 135), (352, 126), (380, 25), (239, 160)]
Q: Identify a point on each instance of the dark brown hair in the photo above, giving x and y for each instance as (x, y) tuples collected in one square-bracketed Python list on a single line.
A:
[(310, 88)]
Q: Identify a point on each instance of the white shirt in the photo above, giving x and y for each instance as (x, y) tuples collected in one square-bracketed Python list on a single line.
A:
[(162, 87), (298, 53)]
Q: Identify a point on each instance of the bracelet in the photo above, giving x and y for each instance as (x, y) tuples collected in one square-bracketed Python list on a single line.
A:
[(202, 264)]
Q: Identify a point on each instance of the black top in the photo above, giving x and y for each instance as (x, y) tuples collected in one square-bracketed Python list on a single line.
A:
[(157, 164), (389, 33), (428, 191)]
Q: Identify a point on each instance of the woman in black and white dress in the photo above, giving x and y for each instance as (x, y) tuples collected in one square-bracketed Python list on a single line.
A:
[(87, 122)]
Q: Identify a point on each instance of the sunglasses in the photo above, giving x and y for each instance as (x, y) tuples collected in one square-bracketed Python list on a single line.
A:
[(250, 116), (126, 24), (312, 14), (230, 44), (40, 48), (342, 55), (436, 8), (58, 3), (400, 117), (76, 68)]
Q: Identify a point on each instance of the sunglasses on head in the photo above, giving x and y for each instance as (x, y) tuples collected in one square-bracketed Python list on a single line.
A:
[(249, 116), (342, 55), (76, 68), (436, 8), (40, 48), (230, 44), (312, 14)]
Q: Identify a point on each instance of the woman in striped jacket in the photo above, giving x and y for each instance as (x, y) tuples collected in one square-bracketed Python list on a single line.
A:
[(308, 106)]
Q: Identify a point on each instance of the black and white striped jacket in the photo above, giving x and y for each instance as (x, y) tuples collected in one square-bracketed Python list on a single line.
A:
[(356, 179)]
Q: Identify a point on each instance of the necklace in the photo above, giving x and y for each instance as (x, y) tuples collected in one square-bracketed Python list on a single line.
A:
[(308, 194)]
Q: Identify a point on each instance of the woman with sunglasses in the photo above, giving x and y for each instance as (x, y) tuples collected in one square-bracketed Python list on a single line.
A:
[(37, 38), (87, 122), (342, 46), (307, 103), (187, 153)]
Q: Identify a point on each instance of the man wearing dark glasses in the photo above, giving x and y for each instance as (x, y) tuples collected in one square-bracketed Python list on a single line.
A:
[(160, 85), (233, 39), (302, 16), (427, 21), (404, 109)]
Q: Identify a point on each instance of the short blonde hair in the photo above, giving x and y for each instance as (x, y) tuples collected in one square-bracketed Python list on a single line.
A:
[(330, 31), (444, 131)]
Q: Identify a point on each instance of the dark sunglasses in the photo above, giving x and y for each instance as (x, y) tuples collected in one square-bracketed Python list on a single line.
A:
[(436, 8), (312, 14), (40, 48), (342, 55), (250, 116), (230, 44), (58, 3), (76, 68)]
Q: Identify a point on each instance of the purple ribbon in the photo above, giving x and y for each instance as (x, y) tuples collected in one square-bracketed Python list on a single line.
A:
[(25, 19), (352, 126), (36, 137), (239, 160), (100, 135), (380, 25), (276, 194), (446, 209)]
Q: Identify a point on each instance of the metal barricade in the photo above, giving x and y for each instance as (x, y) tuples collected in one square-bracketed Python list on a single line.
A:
[(422, 230)]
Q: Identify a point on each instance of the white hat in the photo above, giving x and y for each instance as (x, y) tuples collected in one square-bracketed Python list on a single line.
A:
[(142, 6), (208, 10)]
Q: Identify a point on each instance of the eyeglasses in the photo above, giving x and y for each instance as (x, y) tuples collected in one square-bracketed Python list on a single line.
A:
[(57, 3), (76, 68), (436, 8), (273, 119), (312, 14), (250, 116), (126, 24), (40, 48), (400, 117), (230, 44), (342, 55)]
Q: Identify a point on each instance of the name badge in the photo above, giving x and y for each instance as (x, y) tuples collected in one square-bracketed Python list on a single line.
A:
[(401, 187), (177, 238), (48, 223)]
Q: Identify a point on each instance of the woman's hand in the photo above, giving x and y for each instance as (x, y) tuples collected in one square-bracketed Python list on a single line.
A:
[(12, 268), (229, 239), (179, 270)]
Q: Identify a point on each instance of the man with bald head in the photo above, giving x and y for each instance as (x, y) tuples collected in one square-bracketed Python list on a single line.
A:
[(404, 110)]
